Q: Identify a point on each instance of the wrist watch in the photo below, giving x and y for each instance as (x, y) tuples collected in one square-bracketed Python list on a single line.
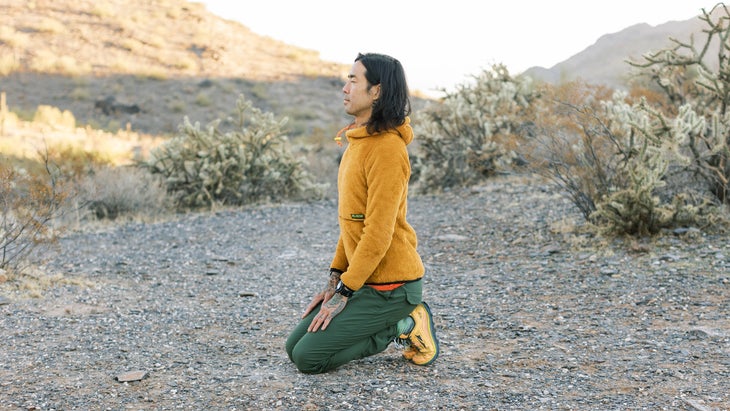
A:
[(343, 290)]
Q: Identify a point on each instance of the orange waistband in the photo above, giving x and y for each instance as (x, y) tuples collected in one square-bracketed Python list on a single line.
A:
[(385, 287)]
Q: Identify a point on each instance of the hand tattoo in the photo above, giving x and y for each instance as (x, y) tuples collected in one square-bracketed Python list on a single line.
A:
[(325, 294), (334, 279), (327, 312), (336, 304)]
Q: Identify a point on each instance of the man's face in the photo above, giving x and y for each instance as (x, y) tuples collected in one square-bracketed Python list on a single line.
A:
[(358, 99)]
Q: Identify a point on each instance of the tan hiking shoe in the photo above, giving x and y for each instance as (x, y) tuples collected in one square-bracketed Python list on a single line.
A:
[(409, 352), (423, 345)]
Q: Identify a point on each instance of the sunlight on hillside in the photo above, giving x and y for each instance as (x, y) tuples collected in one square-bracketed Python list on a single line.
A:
[(52, 130)]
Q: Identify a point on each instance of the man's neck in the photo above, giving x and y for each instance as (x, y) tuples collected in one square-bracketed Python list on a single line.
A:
[(361, 121)]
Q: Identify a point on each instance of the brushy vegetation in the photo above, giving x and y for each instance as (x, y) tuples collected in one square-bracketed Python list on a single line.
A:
[(251, 163), (473, 132), (697, 85), (28, 205), (109, 193), (615, 160), (637, 163), (199, 168), (53, 174)]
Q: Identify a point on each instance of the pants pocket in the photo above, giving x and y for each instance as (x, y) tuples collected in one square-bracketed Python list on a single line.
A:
[(414, 292)]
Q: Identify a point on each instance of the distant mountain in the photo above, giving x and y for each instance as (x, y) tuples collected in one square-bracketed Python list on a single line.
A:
[(605, 61)]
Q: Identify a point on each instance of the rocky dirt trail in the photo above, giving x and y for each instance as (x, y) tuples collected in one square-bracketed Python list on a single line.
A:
[(531, 314)]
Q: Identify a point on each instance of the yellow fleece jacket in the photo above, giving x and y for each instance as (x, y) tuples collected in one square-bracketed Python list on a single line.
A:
[(376, 243)]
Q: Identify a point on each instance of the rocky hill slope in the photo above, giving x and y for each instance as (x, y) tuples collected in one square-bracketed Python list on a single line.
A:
[(147, 64), (144, 65)]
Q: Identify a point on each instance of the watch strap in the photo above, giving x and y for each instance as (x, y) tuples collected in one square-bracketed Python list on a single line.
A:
[(343, 290)]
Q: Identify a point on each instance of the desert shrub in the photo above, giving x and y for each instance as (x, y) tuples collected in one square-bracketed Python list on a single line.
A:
[(114, 192), (73, 161), (13, 38), (50, 25), (571, 147), (251, 163), (28, 205), (653, 159), (53, 116), (654, 188), (7, 118), (472, 133), (621, 163), (8, 64)]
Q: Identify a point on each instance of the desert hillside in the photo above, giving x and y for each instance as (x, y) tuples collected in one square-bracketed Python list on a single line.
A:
[(144, 65), (149, 63)]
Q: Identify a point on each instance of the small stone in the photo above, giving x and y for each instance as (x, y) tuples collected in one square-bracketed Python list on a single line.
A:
[(288, 255), (552, 250), (698, 405), (4, 301), (452, 237), (680, 230), (132, 376), (246, 294), (670, 257)]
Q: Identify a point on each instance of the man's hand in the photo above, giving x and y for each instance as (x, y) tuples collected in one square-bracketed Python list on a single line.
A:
[(329, 310), (324, 295)]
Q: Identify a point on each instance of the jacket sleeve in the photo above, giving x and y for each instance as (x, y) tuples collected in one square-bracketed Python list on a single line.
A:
[(340, 259)]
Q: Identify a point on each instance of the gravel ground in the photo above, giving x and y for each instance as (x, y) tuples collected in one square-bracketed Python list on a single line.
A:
[(531, 314)]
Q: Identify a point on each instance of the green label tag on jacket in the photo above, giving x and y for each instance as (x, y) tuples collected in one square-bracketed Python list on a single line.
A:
[(357, 216)]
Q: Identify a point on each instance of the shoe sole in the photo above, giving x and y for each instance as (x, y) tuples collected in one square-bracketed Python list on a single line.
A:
[(433, 334)]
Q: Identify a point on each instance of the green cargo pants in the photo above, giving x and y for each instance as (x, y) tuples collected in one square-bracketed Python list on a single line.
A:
[(365, 327)]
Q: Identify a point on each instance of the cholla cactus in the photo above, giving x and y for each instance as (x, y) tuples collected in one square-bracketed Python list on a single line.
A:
[(471, 134), (624, 165), (207, 167), (634, 168), (691, 75)]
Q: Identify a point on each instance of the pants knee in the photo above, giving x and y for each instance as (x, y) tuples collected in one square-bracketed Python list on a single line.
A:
[(304, 362)]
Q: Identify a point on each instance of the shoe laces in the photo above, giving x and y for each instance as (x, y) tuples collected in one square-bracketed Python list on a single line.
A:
[(402, 342)]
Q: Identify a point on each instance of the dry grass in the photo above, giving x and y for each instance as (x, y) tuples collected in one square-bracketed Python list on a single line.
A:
[(54, 131), (128, 193), (33, 281), (99, 165)]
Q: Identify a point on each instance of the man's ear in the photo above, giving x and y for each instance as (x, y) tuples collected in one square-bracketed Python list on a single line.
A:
[(375, 91)]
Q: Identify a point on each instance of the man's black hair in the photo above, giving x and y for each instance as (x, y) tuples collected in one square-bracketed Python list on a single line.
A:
[(393, 104)]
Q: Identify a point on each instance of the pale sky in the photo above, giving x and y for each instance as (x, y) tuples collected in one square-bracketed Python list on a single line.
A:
[(442, 44)]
